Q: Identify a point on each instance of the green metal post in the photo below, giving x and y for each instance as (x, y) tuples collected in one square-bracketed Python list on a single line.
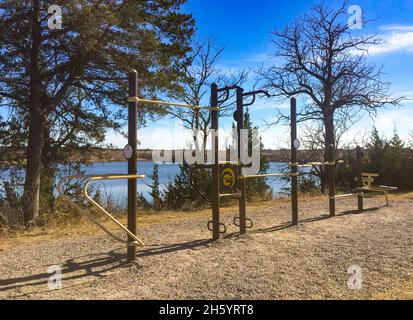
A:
[(243, 206), (132, 162), (241, 182), (331, 180), (215, 168), (294, 168), (359, 157)]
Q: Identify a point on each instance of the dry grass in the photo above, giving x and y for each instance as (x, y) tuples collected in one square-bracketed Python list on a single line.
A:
[(274, 261)]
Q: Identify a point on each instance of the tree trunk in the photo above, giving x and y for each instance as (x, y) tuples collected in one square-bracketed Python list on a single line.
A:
[(48, 172), (323, 181), (330, 133), (33, 169), (329, 139), (37, 120)]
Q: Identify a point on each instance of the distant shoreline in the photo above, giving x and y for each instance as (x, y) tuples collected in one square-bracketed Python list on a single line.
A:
[(145, 155)]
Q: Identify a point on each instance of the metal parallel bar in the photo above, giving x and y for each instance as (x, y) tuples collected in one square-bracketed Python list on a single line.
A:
[(373, 189), (294, 169), (215, 168), (389, 188), (348, 195), (313, 164), (237, 195), (116, 177), (266, 175), (132, 162), (166, 103)]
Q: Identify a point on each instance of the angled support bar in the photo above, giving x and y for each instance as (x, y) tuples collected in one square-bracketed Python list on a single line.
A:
[(90, 179)]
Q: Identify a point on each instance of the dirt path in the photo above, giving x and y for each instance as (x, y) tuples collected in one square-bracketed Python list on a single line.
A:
[(275, 261)]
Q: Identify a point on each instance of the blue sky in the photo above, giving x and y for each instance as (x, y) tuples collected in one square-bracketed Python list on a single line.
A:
[(244, 28)]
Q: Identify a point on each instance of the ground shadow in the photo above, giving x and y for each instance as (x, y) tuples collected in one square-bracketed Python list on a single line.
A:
[(174, 247), (95, 265), (289, 224), (313, 219), (350, 212)]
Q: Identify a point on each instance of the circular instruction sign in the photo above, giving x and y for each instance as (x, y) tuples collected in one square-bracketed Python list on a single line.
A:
[(297, 143), (128, 152), (228, 177)]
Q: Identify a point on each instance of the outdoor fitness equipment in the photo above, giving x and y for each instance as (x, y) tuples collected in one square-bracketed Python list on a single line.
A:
[(215, 226), (89, 179), (130, 153), (365, 184), (241, 220)]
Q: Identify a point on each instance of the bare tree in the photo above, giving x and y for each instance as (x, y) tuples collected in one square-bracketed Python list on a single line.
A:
[(327, 64), (200, 72), (313, 140)]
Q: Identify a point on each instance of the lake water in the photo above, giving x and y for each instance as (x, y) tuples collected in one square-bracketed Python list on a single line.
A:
[(117, 189), (167, 172)]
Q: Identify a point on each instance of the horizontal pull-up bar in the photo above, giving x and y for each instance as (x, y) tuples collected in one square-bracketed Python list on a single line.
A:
[(166, 103), (241, 177), (116, 177), (313, 164)]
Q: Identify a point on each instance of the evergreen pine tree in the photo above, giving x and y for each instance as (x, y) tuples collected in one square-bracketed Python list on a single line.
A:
[(157, 201)]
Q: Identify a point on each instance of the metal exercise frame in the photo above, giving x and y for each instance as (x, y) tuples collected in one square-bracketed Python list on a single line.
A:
[(131, 231), (241, 220), (215, 226)]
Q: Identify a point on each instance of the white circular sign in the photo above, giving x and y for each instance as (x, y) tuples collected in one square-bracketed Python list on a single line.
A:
[(128, 152), (297, 143)]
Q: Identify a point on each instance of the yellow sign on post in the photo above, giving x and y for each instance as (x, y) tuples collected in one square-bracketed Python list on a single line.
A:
[(229, 179)]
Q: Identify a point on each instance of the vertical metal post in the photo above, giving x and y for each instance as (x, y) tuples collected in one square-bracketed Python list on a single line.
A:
[(242, 206), (331, 180), (132, 162), (241, 182), (215, 168), (294, 168), (359, 157)]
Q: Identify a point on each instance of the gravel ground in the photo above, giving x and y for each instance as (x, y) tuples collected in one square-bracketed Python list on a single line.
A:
[(274, 261)]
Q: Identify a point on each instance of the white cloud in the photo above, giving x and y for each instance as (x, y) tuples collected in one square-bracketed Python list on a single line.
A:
[(396, 38), (396, 27)]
